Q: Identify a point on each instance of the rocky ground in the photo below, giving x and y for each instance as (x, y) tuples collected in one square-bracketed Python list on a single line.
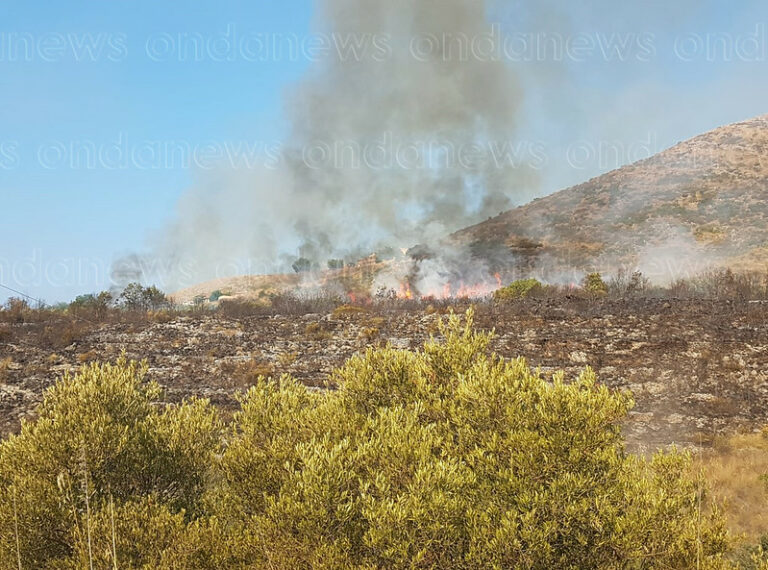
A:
[(696, 368)]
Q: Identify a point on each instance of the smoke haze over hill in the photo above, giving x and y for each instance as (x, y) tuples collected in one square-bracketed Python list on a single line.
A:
[(410, 123), (401, 136)]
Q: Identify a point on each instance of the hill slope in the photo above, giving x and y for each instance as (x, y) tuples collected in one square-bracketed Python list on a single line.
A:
[(699, 204)]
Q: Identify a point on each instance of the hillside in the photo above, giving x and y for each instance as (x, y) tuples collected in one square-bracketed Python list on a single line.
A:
[(696, 368), (351, 280), (698, 204)]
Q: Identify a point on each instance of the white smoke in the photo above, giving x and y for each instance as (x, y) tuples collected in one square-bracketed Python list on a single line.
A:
[(403, 135), (399, 142)]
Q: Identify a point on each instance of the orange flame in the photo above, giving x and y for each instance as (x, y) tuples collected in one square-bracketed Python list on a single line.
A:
[(453, 291), (405, 291)]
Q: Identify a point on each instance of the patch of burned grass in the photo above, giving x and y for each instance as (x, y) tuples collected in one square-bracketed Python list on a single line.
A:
[(244, 373)]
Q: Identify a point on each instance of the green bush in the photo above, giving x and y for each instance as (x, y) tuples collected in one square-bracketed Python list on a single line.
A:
[(448, 457), (98, 440), (215, 296), (594, 284), (96, 305), (137, 298), (518, 290)]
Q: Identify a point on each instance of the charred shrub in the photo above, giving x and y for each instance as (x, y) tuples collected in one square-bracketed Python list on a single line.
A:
[(16, 310), (295, 303)]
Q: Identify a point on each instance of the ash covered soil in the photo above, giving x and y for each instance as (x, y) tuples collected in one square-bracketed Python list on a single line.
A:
[(697, 368)]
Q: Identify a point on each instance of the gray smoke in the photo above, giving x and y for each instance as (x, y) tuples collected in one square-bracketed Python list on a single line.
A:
[(399, 141)]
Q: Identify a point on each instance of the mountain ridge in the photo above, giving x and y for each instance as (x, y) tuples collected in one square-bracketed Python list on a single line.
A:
[(701, 203)]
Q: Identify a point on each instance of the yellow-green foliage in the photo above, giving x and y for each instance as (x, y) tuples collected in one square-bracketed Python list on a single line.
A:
[(594, 284), (518, 290), (98, 441), (448, 457)]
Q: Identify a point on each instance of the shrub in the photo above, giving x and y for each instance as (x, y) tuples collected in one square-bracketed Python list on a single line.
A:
[(594, 284), (215, 296), (5, 365), (315, 331), (520, 289), (239, 308), (96, 306), (60, 334), (302, 265), (98, 440), (89, 356), (16, 310), (198, 303), (287, 359), (161, 316), (137, 298), (245, 373), (155, 299), (132, 297), (302, 303), (142, 530), (625, 284), (369, 334), (447, 457)]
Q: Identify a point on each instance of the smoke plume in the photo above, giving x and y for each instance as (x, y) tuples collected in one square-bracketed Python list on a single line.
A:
[(403, 134)]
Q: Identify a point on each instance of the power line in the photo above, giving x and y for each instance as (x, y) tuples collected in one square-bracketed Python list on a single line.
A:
[(12, 290), (41, 304)]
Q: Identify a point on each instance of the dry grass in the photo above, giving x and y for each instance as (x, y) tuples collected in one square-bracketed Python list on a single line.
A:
[(5, 366), (735, 470), (348, 310), (245, 373), (315, 331), (86, 357), (369, 334), (287, 359)]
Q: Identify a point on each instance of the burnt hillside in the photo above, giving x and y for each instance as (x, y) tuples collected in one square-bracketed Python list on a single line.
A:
[(696, 367)]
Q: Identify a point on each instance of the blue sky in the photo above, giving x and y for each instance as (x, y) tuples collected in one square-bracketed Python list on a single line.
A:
[(63, 221)]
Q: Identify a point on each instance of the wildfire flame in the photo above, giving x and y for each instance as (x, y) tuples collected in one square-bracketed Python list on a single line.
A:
[(460, 290)]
